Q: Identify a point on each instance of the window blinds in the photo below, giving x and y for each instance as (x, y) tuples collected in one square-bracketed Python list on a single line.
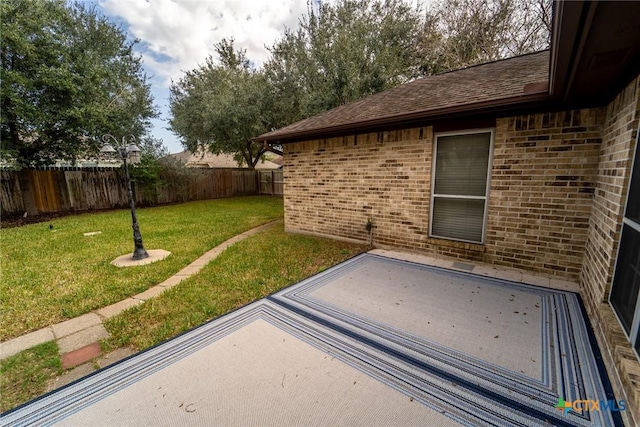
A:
[(460, 186)]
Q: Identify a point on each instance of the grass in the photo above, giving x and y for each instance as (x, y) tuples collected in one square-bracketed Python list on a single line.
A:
[(249, 270), (49, 275), (25, 375)]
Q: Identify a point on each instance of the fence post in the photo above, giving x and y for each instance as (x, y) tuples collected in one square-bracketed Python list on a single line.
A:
[(273, 184), (256, 176)]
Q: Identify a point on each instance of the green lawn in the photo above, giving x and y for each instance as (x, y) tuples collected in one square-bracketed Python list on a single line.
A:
[(25, 375), (49, 275), (247, 271)]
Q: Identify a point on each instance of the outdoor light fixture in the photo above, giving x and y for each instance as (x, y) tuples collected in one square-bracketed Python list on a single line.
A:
[(128, 151)]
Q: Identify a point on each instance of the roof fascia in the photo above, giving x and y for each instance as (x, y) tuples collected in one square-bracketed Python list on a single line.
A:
[(490, 106), (571, 23)]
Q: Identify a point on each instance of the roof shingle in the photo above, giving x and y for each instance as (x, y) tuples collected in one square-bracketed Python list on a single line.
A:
[(498, 80)]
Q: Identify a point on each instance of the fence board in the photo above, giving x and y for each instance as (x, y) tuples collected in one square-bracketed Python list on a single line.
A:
[(271, 182), (46, 192), (10, 194), (62, 190)]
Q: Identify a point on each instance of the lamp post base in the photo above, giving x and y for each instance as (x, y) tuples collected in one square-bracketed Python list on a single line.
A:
[(128, 261), (140, 253)]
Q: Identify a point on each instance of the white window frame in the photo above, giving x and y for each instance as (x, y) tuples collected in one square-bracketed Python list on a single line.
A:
[(491, 131)]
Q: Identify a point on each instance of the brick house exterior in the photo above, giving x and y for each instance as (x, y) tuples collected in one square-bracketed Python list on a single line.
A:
[(563, 139)]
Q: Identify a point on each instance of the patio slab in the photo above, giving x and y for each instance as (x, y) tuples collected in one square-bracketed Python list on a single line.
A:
[(117, 308), (82, 338), (127, 260), (171, 282), (150, 293), (70, 376), (115, 356), (275, 387), (486, 270), (75, 325), (372, 341)]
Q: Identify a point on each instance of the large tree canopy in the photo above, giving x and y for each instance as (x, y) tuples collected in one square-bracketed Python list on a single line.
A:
[(338, 54), (68, 77), (469, 32), (343, 52), (220, 106)]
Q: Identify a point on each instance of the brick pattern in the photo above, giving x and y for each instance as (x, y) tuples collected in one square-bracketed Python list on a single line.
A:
[(612, 180), (81, 355), (333, 186), (542, 185), (614, 169)]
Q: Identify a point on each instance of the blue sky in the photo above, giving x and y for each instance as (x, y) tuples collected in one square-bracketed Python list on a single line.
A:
[(177, 35)]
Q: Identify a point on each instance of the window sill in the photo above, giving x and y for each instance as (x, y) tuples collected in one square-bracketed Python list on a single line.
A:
[(475, 247)]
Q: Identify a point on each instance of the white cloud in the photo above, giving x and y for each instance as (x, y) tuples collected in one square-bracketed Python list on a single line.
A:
[(177, 35)]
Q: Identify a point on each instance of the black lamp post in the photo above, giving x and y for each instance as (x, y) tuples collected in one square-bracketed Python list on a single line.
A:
[(130, 151)]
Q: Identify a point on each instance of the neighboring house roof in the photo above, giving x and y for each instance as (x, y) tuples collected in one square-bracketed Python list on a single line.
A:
[(93, 163), (220, 161), (277, 160), (516, 79), (594, 53)]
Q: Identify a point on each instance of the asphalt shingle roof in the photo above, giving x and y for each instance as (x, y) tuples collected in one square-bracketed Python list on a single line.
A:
[(498, 80)]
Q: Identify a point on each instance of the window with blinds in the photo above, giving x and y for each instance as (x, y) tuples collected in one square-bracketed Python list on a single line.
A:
[(460, 185)]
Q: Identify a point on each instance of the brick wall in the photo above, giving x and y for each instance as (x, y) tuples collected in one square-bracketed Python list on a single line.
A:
[(612, 180), (558, 189), (542, 185), (619, 133), (332, 186)]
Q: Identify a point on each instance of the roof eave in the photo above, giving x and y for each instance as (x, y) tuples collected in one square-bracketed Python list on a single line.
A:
[(489, 106), (571, 23)]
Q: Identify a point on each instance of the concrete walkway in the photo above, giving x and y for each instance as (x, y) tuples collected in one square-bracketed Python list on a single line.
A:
[(78, 338)]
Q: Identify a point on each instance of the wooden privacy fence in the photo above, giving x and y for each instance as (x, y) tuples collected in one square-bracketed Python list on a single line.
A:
[(271, 182), (66, 190)]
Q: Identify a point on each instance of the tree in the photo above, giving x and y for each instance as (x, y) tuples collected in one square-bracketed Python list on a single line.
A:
[(341, 53), (470, 32), (220, 106), (68, 77), (146, 172)]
